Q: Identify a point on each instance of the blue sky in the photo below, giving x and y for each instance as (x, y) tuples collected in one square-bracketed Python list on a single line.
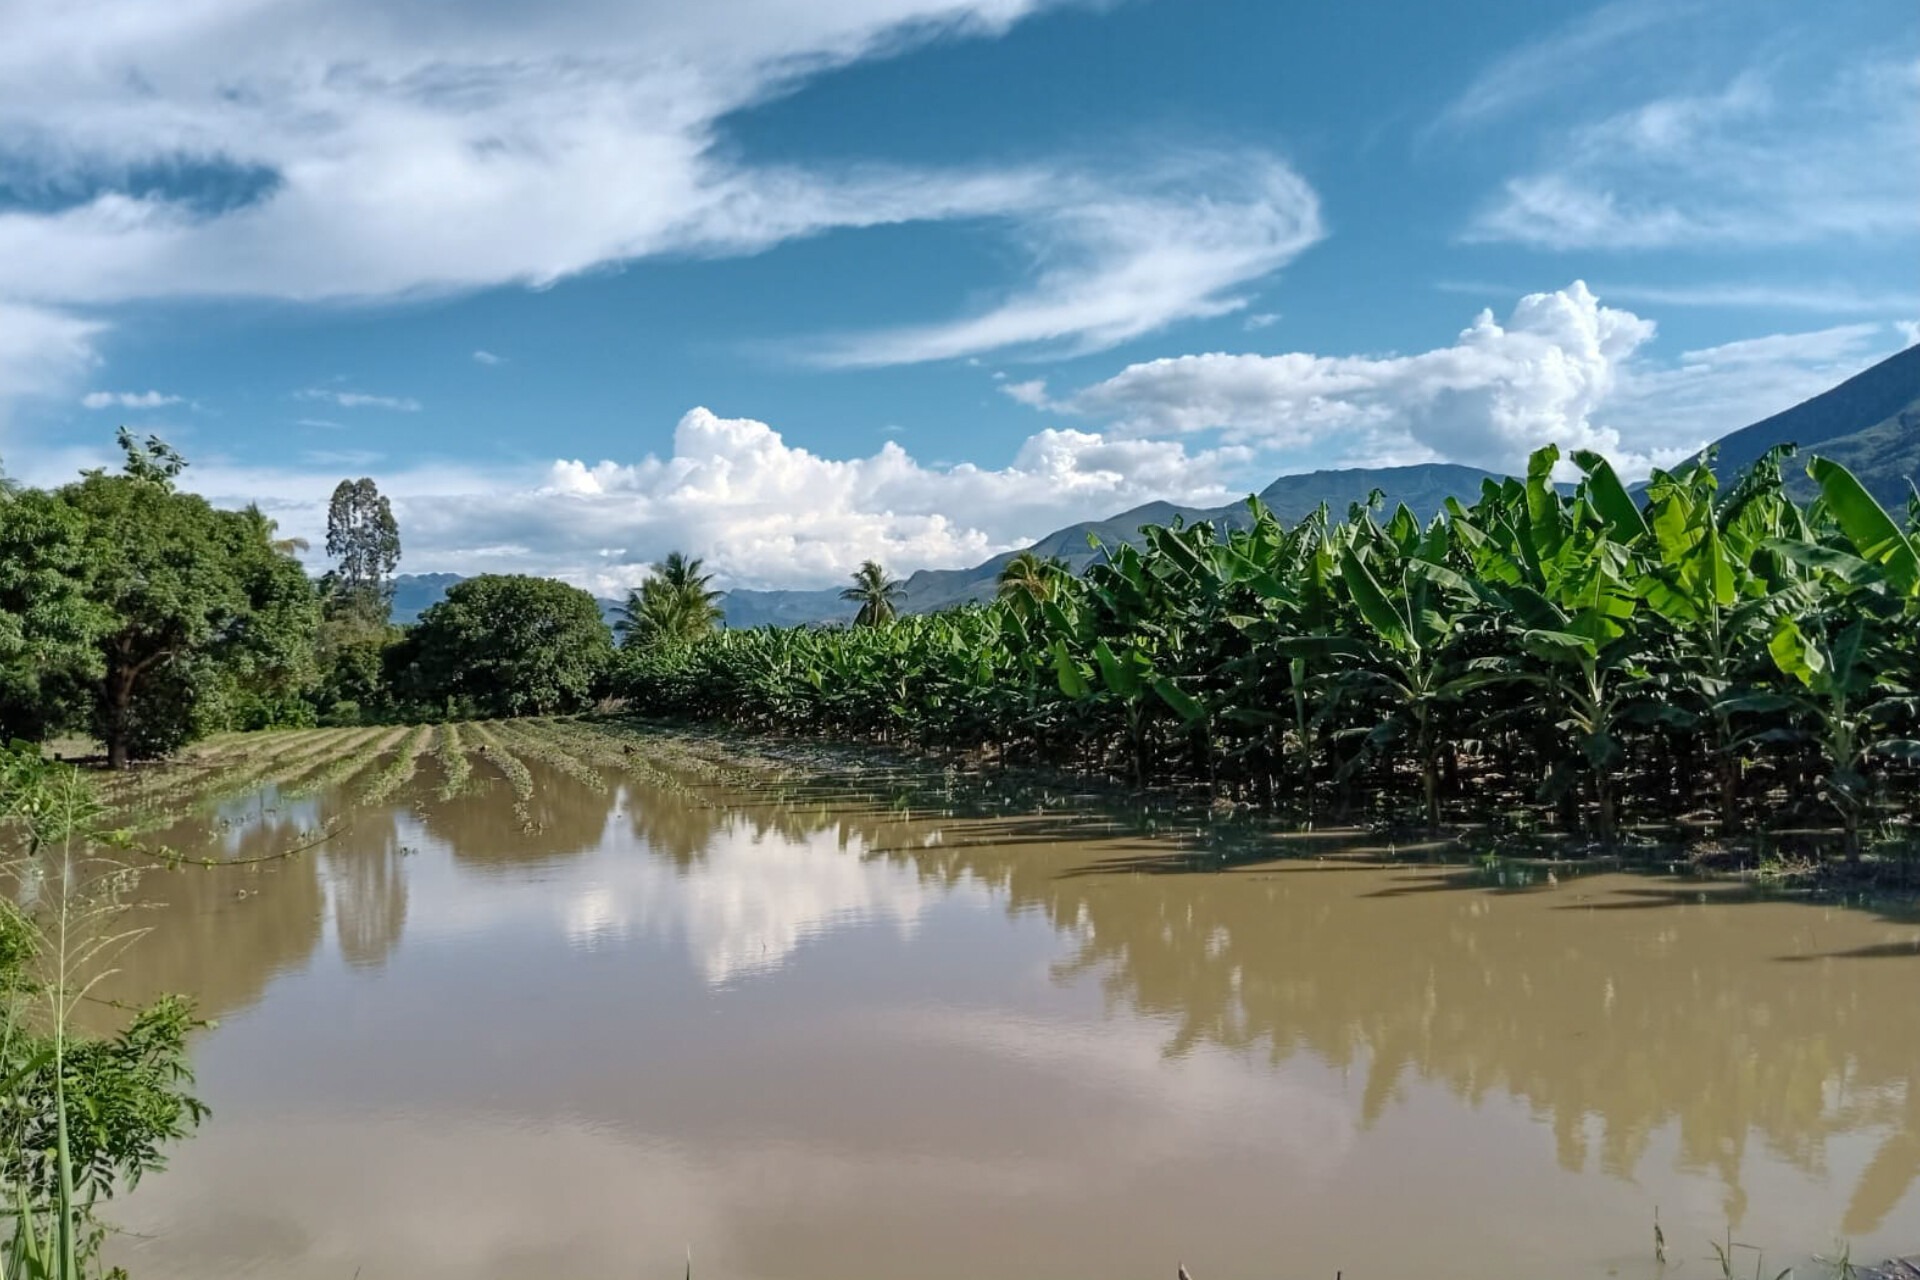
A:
[(793, 284)]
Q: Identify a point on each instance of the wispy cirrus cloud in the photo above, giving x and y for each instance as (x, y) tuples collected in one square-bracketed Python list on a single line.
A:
[(1554, 62), (1120, 263), (360, 399), (367, 153), (488, 358), (129, 400), (1831, 298), (1752, 163)]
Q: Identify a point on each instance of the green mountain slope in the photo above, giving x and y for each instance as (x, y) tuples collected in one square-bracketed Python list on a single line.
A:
[(1870, 424)]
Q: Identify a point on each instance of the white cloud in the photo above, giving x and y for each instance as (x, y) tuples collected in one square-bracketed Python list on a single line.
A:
[(356, 458), (1822, 346), (1833, 298), (398, 153), (1909, 332), (1563, 369), (1714, 390), (1751, 164), (1549, 65), (361, 400), (1264, 320), (1033, 393), (488, 358), (128, 400), (1119, 265), (766, 513), (1497, 392), (42, 352)]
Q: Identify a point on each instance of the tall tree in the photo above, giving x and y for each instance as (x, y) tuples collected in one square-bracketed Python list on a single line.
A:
[(676, 603), (363, 539), (877, 595)]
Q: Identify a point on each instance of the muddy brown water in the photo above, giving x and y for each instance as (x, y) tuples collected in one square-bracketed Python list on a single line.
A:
[(847, 1031)]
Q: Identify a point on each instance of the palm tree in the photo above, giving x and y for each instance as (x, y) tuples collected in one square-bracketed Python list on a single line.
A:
[(875, 593), (268, 527), (1030, 575), (675, 603)]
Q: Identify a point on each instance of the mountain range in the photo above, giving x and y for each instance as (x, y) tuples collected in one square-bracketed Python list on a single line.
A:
[(1870, 423)]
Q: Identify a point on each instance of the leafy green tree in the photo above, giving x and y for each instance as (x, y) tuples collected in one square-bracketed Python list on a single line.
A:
[(675, 604), (194, 612), (48, 627), (877, 595), (505, 645), (363, 539)]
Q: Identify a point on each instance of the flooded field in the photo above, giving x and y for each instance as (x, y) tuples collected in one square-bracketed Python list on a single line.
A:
[(553, 1002)]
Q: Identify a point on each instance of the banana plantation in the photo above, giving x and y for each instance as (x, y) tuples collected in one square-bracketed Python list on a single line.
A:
[(1577, 654)]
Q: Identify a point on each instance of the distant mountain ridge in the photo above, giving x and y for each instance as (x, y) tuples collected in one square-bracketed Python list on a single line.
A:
[(415, 593), (1870, 423)]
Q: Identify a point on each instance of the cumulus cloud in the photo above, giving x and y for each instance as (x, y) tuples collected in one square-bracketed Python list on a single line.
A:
[(1498, 391), (1562, 369), (1750, 163), (376, 151), (128, 400), (761, 511), (767, 513), (361, 400)]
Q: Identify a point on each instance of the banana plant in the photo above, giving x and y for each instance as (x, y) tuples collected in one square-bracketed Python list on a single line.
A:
[(1849, 686), (1404, 654), (1849, 706), (1698, 575), (1612, 642), (1564, 578)]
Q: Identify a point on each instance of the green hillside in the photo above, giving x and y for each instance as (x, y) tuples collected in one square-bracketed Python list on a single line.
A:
[(1870, 423)]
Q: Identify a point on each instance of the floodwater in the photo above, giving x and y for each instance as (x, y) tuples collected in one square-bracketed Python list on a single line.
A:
[(859, 1029)]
